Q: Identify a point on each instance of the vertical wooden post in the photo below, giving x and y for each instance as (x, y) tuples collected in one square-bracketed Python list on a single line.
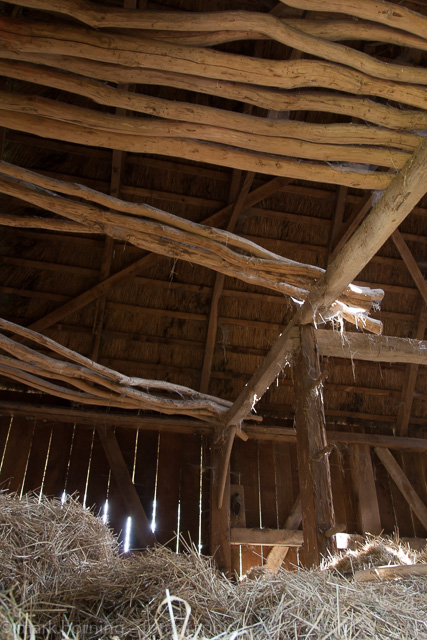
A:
[(220, 547), (312, 448), (364, 483)]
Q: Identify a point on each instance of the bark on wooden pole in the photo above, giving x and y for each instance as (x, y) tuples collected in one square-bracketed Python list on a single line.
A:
[(220, 543), (313, 462)]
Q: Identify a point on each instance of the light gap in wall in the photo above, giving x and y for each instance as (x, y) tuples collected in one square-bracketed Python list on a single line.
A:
[(26, 464), (128, 529), (135, 453), (88, 468), (153, 519), (5, 444), (105, 512), (259, 503), (68, 464), (200, 544), (45, 464), (178, 526)]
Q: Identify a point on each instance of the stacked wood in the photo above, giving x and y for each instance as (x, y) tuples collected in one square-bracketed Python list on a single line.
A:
[(169, 235), (86, 382)]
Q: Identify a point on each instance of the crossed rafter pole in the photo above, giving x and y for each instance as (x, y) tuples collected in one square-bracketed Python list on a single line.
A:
[(395, 204)]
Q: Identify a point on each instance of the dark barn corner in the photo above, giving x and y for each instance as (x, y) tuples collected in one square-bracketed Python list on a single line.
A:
[(213, 259)]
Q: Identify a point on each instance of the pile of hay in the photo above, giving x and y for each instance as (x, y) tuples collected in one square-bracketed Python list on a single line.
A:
[(62, 576)]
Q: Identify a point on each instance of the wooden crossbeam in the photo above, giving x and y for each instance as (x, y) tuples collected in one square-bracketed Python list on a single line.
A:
[(271, 433), (146, 262), (396, 202), (283, 538)]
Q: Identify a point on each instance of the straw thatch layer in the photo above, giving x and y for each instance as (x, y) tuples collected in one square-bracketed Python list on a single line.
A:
[(62, 577)]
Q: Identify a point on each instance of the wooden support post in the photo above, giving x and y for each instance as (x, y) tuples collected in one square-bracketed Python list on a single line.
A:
[(220, 545), (313, 464), (126, 487), (396, 202), (403, 484), (364, 483), (278, 554)]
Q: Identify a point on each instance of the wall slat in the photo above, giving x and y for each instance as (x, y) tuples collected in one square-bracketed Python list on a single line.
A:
[(168, 488), (16, 454)]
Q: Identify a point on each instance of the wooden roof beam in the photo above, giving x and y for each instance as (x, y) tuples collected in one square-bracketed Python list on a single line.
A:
[(396, 202), (90, 417), (147, 261)]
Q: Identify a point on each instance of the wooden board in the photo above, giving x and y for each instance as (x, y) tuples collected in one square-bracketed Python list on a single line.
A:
[(4, 430), (168, 488), (269, 517), (99, 475), (248, 471), (364, 485), (57, 464), (16, 454), (190, 490), (117, 511), (79, 462), (284, 480), (269, 537), (382, 481), (38, 457), (401, 508), (145, 469)]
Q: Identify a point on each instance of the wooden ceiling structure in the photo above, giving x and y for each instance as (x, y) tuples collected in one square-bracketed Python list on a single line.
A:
[(214, 226)]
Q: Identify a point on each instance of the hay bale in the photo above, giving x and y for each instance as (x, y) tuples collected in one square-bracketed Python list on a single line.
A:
[(62, 576)]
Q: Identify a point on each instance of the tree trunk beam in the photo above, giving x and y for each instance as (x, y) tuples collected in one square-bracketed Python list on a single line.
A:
[(154, 133), (379, 11), (313, 467), (337, 135), (359, 346), (98, 384), (268, 25), (356, 107), (404, 193), (148, 54), (180, 239), (185, 148)]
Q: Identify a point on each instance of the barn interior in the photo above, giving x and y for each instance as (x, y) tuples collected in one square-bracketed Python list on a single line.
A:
[(213, 269)]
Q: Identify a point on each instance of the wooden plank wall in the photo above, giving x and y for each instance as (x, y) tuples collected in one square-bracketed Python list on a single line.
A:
[(173, 470), (55, 457)]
